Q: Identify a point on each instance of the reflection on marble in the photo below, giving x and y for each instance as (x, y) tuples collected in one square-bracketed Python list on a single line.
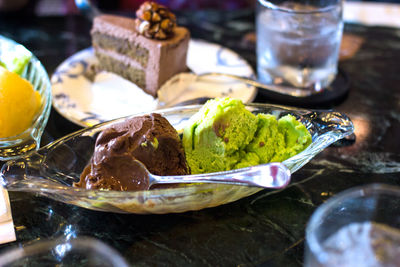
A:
[(266, 229)]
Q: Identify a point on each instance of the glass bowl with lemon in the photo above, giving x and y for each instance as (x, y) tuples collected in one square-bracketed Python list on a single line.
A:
[(25, 100)]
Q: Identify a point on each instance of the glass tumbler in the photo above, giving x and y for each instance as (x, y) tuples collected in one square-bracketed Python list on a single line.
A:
[(298, 43), (358, 227), (79, 251)]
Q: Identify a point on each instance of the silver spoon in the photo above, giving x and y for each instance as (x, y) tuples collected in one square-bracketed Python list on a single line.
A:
[(271, 175), (87, 8), (181, 82), (288, 90)]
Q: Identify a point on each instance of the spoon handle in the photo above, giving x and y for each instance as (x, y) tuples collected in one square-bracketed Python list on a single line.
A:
[(270, 87), (271, 175), (87, 8)]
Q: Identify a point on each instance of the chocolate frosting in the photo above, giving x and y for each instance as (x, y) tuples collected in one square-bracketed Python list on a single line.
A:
[(150, 139)]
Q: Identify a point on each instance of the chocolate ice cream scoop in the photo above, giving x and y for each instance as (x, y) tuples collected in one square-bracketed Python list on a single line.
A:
[(150, 139)]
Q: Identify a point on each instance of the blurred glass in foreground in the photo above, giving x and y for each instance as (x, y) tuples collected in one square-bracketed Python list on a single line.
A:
[(358, 227), (81, 251)]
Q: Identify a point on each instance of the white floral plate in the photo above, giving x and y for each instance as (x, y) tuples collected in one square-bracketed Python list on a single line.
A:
[(86, 98)]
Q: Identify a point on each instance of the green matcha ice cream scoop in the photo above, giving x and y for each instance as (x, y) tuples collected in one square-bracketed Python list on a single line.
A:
[(223, 135)]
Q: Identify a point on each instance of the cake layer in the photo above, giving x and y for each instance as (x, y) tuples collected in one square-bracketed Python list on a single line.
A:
[(131, 73), (165, 58), (124, 47)]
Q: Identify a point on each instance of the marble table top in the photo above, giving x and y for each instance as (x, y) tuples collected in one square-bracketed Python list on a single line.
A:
[(261, 230)]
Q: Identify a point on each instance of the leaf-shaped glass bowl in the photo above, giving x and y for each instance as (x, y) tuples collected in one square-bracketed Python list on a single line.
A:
[(51, 170), (35, 73)]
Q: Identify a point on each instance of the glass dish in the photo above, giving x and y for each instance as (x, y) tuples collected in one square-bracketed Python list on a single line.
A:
[(80, 251), (34, 72), (357, 227), (51, 170)]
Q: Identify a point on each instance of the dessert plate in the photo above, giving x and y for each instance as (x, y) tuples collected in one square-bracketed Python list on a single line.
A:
[(52, 170), (87, 98)]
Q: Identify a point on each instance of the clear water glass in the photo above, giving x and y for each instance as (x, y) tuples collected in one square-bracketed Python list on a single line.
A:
[(358, 227), (298, 43), (78, 251)]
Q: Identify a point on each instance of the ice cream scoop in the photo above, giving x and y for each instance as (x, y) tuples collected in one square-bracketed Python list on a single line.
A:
[(223, 135), (271, 175), (19, 103), (150, 139)]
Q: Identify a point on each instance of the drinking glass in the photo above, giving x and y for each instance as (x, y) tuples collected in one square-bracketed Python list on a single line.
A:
[(78, 251), (298, 43), (358, 227)]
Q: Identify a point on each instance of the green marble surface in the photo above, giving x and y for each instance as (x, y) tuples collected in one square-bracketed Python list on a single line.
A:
[(266, 229)]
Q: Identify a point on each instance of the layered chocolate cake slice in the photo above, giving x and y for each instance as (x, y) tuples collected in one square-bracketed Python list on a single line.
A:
[(147, 51)]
